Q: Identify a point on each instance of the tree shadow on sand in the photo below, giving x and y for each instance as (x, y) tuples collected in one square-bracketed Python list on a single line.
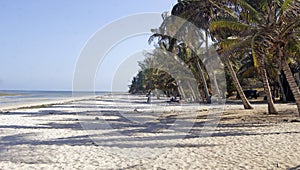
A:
[(125, 127), (154, 130), (295, 168)]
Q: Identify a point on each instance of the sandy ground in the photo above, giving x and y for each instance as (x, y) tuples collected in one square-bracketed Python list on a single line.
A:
[(124, 132)]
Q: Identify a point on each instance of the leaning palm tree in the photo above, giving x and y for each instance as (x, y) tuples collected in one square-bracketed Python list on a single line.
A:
[(277, 38), (288, 47), (236, 37)]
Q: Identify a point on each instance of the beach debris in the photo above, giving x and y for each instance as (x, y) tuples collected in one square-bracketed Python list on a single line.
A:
[(135, 110), (294, 120), (95, 144), (97, 118), (202, 110)]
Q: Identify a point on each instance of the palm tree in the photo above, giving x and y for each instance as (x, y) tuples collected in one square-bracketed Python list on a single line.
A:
[(196, 12), (201, 13), (176, 45), (280, 32), (288, 46), (236, 38), (267, 27)]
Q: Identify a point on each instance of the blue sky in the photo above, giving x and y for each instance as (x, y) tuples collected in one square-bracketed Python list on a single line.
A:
[(41, 40)]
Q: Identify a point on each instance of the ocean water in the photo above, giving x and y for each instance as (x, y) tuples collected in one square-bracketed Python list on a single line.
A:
[(23, 97)]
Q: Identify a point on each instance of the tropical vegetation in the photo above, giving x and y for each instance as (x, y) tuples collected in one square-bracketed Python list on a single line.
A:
[(258, 40)]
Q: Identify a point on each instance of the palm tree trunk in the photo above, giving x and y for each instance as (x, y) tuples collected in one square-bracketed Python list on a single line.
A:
[(180, 89), (207, 96), (297, 77), (202, 96), (237, 85), (206, 91), (206, 44), (195, 96), (281, 89), (217, 87), (292, 83), (271, 105), (157, 93)]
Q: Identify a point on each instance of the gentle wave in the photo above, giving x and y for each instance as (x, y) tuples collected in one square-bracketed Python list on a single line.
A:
[(18, 97)]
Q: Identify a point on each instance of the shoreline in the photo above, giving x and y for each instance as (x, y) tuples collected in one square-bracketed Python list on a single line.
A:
[(9, 94), (44, 101), (41, 104)]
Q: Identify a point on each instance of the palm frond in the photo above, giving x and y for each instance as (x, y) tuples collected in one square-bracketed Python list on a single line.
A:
[(292, 25), (228, 25), (224, 8), (248, 73), (225, 44), (285, 5), (253, 13), (254, 55), (236, 48)]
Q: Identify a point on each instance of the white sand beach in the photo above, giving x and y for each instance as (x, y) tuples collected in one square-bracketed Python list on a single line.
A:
[(124, 132)]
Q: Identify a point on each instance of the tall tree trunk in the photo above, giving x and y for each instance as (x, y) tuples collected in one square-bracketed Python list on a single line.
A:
[(195, 96), (180, 89), (217, 86), (281, 89), (237, 85), (202, 96), (271, 105), (207, 96), (207, 45), (157, 93), (292, 83), (297, 77)]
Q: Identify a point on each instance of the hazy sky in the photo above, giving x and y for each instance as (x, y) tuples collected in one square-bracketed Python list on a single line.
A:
[(41, 40)]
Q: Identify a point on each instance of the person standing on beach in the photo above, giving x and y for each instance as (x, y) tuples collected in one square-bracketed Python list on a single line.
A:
[(149, 97)]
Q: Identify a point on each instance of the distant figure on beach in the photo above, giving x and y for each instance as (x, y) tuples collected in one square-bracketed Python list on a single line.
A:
[(174, 99), (149, 97)]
